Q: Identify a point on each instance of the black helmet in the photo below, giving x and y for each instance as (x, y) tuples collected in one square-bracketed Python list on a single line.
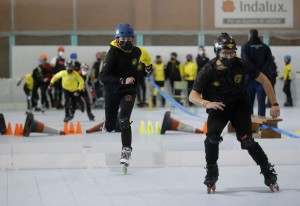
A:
[(70, 63), (225, 41)]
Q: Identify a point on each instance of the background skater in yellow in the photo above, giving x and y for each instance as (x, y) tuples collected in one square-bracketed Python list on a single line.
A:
[(72, 84)]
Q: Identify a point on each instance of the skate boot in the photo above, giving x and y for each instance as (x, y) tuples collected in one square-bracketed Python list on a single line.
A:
[(270, 176), (211, 177), (68, 118), (91, 116), (125, 157)]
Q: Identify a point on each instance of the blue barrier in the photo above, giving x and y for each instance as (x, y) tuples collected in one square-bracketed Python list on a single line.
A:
[(280, 131)]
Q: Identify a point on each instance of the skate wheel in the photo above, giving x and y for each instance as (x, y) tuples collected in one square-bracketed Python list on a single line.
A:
[(124, 169), (211, 189)]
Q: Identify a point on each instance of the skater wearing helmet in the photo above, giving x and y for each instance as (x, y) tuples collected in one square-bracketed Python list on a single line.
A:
[(219, 87), (84, 94), (72, 84), (119, 76)]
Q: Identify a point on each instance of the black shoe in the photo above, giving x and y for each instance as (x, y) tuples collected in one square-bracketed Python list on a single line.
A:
[(91, 116), (287, 104), (37, 109), (68, 118)]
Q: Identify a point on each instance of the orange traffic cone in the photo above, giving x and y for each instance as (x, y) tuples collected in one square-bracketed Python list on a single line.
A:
[(205, 127), (71, 129), (175, 125), (20, 132), (32, 125), (2, 124), (78, 128), (16, 131), (9, 129), (66, 130)]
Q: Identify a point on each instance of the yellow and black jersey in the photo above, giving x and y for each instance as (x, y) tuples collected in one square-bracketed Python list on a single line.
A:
[(122, 64), (70, 81), (159, 72), (29, 81)]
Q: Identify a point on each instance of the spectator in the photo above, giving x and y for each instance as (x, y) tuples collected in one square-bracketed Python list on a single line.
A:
[(159, 78), (259, 55), (190, 72), (201, 58), (287, 78)]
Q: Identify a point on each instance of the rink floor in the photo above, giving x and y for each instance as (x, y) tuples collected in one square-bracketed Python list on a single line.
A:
[(79, 170)]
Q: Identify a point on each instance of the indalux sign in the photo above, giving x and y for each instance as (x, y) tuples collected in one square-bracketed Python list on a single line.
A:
[(254, 13)]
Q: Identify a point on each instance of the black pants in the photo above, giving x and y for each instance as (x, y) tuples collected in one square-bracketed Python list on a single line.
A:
[(70, 103), (58, 90), (287, 91), (239, 115), (125, 103), (141, 94)]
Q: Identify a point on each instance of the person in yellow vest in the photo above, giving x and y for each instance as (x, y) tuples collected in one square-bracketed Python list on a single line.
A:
[(190, 72), (287, 78), (28, 87), (72, 84), (159, 71)]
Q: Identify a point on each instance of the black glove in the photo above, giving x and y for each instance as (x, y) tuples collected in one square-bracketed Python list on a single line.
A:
[(149, 69)]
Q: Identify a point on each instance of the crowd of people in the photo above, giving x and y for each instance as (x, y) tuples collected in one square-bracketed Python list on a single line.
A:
[(50, 81)]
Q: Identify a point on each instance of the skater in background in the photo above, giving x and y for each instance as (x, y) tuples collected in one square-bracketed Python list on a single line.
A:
[(287, 78), (119, 77), (28, 87), (73, 84), (219, 87), (98, 87), (58, 64), (84, 72)]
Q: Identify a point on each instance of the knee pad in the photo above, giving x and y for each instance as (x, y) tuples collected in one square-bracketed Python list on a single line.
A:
[(124, 123), (247, 141), (214, 139)]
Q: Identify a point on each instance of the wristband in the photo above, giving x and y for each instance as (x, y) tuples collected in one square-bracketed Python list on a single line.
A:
[(275, 104)]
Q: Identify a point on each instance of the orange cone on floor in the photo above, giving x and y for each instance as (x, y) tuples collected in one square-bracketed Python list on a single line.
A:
[(32, 125), (205, 127), (16, 131), (2, 124), (78, 128), (175, 125), (95, 128), (71, 128), (21, 129), (66, 130), (9, 129)]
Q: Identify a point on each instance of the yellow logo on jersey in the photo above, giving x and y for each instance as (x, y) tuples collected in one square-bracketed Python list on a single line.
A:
[(230, 46), (216, 83), (134, 61), (238, 78)]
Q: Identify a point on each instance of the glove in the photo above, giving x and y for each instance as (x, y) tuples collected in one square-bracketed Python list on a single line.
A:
[(50, 86), (148, 69)]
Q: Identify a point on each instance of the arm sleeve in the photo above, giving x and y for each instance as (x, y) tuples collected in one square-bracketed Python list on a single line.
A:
[(80, 80), (56, 77), (145, 57), (107, 76)]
